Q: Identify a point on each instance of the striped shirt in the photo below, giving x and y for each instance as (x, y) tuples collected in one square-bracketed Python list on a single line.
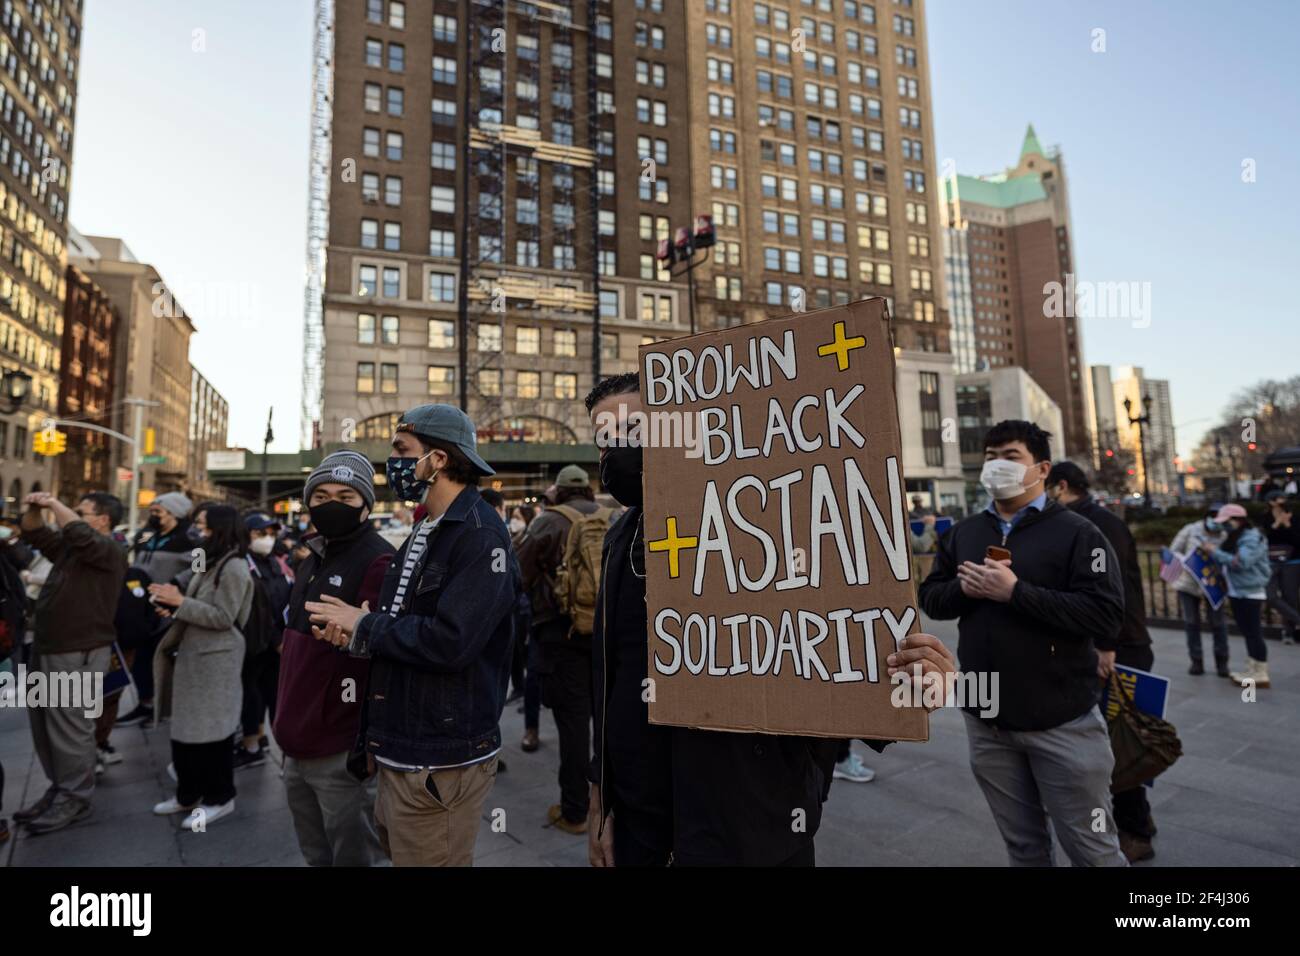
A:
[(419, 541)]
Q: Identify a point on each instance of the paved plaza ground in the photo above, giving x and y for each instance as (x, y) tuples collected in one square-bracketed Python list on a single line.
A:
[(1230, 801)]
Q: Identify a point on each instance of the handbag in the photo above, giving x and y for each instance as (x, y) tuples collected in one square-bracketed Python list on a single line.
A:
[(1144, 745)]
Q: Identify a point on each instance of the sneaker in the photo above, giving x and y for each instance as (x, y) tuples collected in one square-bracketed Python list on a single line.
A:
[(205, 814), (142, 714), (557, 819), (263, 742), (530, 742), (249, 758), (1288, 638), (171, 805), (60, 815), (99, 767), (1198, 667), (108, 755), (852, 768), (36, 809)]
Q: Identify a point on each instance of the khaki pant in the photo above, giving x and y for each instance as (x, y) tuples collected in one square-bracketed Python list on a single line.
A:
[(432, 818)]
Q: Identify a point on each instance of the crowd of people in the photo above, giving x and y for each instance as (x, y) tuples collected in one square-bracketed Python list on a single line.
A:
[(381, 668)]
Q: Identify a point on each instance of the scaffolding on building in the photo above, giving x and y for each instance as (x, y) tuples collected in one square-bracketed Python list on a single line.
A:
[(489, 287), (313, 332)]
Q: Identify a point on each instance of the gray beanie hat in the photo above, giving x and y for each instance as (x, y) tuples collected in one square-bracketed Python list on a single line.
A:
[(175, 503), (344, 468)]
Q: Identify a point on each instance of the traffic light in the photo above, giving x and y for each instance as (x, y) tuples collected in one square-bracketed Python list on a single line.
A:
[(149, 440), (49, 442), (704, 234), (1250, 445), (1110, 453)]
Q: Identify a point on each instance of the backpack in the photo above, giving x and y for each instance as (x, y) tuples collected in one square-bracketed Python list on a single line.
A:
[(577, 582), (259, 628)]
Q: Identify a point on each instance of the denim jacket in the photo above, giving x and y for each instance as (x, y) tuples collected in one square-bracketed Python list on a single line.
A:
[(440, 667), (1248, 568)]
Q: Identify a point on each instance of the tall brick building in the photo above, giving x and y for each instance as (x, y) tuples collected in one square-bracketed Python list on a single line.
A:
[(1009, 237), (557, 144), (86, 387), (40, 45)]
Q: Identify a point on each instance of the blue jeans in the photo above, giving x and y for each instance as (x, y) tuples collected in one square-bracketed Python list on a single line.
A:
[(1190, 606)]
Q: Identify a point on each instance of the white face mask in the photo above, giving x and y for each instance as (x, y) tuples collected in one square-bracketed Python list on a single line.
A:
[(516, 525), (1003, 479), (262, 546)]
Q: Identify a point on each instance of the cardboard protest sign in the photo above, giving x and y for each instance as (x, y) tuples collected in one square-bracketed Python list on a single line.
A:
[(778, 564)]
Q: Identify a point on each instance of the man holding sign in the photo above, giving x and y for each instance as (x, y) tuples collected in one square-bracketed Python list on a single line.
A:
[(756, 594)]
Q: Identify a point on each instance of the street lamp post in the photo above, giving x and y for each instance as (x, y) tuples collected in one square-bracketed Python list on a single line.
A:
[(15, 386), (1139, 421)]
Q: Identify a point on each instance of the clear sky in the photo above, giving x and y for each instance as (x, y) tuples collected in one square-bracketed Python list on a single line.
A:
[(1154, 131), (199, 161)]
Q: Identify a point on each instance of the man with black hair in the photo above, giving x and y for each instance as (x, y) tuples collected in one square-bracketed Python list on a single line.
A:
[(439, 644), (74, 633), (1034, 621), (1068, 485), (563, 646), (495, 499), (661, 794)]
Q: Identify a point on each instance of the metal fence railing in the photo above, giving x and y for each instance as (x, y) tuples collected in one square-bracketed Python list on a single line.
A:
[(1161, 598)]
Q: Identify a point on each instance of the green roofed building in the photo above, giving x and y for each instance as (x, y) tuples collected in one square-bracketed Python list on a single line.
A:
[(1008, 265)]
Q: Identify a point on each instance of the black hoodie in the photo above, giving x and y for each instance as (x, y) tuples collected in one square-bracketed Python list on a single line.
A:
[(1069, 594)]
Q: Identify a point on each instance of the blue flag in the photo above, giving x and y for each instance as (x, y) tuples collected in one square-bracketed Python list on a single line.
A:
[(1207, 575)]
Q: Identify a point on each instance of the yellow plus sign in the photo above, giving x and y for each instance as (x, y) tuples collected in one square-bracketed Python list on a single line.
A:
[(841, 347), (673, 544)]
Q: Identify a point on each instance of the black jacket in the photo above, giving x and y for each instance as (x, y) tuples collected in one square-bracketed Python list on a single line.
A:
[(1133, 632), (441, 664), (708, 797), (1040, 643)]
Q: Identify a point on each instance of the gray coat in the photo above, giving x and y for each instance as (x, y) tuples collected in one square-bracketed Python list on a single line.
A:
[(200, 689)]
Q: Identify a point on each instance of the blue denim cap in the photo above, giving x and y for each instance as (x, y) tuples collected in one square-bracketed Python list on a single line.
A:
[(449, 424)]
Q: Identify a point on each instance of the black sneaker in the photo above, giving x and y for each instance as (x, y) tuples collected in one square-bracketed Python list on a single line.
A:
[(249, 758), (263, 742), (141, 715)]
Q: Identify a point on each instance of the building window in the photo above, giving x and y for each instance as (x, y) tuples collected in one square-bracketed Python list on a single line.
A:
[(566, 386), (365, 330), (370, 143), (528, 340), (609, 346), (397, 15), (528, 384), (444, 28), (442, 334), (931, 419), (392, 283), (489, 381), (489, 337), (442, 242), (365, 378), (373, 97), (393, 236), (566, 343), (442, 380), (608, 304), (442, 199), (396, 100), (388, 330), (368, 283), (369, 233), (442, 287)]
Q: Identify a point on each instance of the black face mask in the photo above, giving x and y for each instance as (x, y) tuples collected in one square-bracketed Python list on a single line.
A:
[(620, 473), (334, 519), (154, 523)]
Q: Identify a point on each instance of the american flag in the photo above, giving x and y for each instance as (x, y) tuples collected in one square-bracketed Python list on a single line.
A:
[(1171, 566)]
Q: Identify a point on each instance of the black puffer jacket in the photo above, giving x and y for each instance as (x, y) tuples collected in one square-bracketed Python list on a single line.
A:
[(1042, 642)]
